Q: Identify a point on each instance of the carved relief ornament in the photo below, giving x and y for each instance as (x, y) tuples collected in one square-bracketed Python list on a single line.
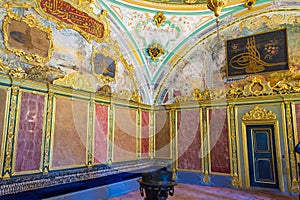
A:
[(258, 113)]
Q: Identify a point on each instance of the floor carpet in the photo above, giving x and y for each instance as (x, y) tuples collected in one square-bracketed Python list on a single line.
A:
[(192, 192)]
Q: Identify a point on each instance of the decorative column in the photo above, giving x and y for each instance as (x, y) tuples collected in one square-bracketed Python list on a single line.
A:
[(11, 131), (111, 117), (90, 137), (47, 140), (234, 157), (294, 186), (205, 146), (173, 129), (139, 132)]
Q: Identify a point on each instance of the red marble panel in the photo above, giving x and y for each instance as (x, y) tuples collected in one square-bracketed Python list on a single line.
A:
[(189, 140), (124, 134), (297, 111), (3, 95), (162, 134), (219, 141), (101, 128), (70, 132), (30, 132), (145, 134)]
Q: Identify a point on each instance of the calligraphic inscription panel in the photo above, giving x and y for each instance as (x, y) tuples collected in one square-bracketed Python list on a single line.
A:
[(70, 133), (145, 134), (162, 134), (29, 39), (101, 128), (260, 53), (125, 135), (219, 141), (65, 12), (30, 132), (189, 140), (3, 96)]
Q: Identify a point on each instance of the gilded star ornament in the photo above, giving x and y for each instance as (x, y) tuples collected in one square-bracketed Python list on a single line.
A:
[(159, 19)]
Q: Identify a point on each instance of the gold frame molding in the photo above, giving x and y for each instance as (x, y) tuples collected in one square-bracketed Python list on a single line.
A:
[(31, 22), (261, 116)]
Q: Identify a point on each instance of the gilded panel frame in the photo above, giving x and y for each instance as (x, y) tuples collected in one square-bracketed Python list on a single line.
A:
[(32, 23), (260, 116), (14, 173)]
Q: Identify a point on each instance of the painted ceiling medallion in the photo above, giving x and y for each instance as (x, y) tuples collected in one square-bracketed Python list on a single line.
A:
[(159, 19), (155, 51)]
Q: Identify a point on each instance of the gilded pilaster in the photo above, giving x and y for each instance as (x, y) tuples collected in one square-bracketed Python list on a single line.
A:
[(111, 118), (234, 156), (294, 187), (90, 137), (205, 146), (139, 132), (173, 133), (11, 132), (152, 133), (47, 139)]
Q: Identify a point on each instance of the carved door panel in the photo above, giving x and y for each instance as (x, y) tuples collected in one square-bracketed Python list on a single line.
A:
[(262, 156)]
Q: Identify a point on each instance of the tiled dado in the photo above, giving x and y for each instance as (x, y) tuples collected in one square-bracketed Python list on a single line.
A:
[(37, 181)]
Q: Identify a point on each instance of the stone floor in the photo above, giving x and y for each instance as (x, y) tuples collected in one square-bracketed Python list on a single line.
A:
[(192, 192)]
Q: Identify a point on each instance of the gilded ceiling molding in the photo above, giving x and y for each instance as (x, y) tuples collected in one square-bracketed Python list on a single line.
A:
[(79, 17), (128, 96), (76, 81), (252, 87), (186, 5), (16, 4), (258, 113), (24, 37), (44, 74)]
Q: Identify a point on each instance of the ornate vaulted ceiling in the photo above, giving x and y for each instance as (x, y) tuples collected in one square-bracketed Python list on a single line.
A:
[(158, 50)]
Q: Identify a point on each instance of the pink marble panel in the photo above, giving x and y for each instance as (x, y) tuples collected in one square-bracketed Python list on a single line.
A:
[(219, 141), (30, 132), (162, 134), (70, 132), (3, 96), (145, 134), (189, 140), (297, 111), (101, 128), (124, 135)]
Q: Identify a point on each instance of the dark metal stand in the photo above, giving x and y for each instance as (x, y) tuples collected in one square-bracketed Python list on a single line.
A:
[(157, 185)]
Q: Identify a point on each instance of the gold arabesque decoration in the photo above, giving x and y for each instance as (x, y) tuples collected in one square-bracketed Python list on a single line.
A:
[(258, 113), (155, 51)]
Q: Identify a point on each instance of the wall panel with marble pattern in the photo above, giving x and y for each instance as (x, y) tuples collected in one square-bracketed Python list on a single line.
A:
[(297, 112), (219, 141), (125, 134), (162, 134), (189, 140), (30, 132), (100, 133), (3, 96), (145, 134), (70, 132)]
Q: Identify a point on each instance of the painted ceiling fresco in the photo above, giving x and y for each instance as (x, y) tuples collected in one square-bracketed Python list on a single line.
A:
[(134, 47)]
